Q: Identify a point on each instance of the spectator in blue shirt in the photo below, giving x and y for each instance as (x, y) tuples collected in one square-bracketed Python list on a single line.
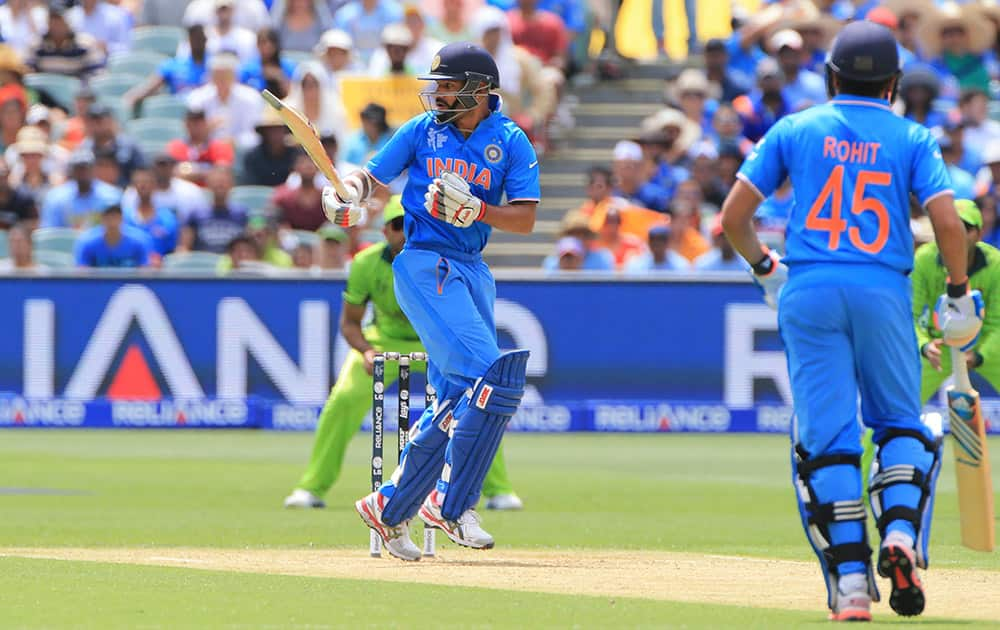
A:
[(962, 182), (179, 74), (731, 83), (631, 182), (803, 88), (372, 136), (577, 239), (722, 256), (79, 202), (761, 108), (364, 21), (103, 21), (112, 243), (918, 89), (660, 256), (156, 220), (272, 70)]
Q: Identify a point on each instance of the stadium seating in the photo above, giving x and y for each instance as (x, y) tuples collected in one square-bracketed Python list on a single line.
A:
[(138, 62), (296, 56), (192, 261), (54, 239), (163, 106), (155, 129), (158, 39), (4, 244), (59, 87), (305, 237), (255, 198), (113, 86), (54, 259)]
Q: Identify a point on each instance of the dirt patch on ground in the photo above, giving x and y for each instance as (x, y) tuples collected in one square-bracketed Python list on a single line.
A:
[(683, 577)]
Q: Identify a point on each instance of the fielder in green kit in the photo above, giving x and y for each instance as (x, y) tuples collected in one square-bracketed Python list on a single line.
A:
[(927, 278), (370, 280)]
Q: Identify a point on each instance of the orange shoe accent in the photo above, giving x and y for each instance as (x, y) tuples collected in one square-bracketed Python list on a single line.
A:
[(851, 615)]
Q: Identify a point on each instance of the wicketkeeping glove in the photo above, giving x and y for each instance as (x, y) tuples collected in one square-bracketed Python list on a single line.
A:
[(960, 318), (771, 281), (449, 199), (344, 212)]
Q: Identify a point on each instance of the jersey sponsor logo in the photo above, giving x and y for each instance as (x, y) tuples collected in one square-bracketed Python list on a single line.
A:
[(484, 396), (470, 172), (493, 153), (436, 139)]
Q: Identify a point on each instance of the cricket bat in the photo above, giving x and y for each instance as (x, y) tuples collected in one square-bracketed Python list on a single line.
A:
[(306, 134), (972, 459)]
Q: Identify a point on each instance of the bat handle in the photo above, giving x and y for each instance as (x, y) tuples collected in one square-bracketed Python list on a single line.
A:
[(960, 370)]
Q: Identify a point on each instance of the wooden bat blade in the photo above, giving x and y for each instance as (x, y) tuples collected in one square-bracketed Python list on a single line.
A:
[(307, 138), (972, 463)]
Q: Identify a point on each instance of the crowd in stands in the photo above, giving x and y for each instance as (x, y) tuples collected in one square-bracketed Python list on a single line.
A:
[(133, 133), (657, 206)]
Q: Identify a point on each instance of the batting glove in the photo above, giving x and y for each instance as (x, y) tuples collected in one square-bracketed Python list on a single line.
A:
[(770, 275), (344, 212), (449, 199), (960, 318)]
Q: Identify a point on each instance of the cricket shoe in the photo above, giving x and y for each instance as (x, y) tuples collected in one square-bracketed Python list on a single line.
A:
[(504, 502), (466, 531), (898, 562), (300, 498), (395, 537), (854, 602)]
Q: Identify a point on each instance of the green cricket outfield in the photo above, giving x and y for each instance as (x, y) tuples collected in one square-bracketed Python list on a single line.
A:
[(176, 529)]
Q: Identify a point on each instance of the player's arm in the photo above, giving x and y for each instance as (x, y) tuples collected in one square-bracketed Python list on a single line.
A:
[(517, 217), (949, 233), (351, 316), (737, 221), (921, 280)]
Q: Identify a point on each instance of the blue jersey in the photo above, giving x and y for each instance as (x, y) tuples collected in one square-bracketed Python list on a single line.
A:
[(853, 164), (496, 160), (132, 250)]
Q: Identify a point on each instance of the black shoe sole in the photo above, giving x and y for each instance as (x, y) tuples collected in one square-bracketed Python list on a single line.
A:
[(907, 597)]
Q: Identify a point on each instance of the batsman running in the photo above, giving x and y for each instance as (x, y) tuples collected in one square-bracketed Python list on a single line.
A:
[(370, 281), (843, 300), (464, 157)]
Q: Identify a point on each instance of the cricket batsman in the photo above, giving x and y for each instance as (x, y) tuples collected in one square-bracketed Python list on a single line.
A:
[(844, 313), (471, 169), (370, 280)]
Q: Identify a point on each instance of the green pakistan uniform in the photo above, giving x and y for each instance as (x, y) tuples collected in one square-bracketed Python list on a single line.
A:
[(370, 280)]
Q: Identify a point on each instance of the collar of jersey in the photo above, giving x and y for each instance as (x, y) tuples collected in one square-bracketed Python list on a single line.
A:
[(851, 99)]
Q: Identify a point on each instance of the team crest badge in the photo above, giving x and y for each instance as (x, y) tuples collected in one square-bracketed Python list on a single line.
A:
[(493, 153), (436, 62)]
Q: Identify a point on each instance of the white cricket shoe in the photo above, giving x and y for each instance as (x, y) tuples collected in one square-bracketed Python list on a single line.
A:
[(504, 502), (854, 601), (466, 531), (396, 538), (300, 498)]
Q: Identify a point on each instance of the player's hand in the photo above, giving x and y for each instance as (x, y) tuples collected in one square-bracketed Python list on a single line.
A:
[(932, 352), (369, 356), (339, 212), (450, 199), (772, 282), (960, 319)]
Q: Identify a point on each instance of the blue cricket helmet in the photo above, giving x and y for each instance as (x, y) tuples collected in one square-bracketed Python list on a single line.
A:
[(864, 51), (463, 61)]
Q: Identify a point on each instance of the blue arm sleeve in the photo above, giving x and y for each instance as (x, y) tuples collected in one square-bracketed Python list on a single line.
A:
[(928, 173), (396, 155), (765, 168), (521, 183)]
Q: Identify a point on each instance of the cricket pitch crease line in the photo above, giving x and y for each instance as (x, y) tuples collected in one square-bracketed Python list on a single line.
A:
[(655, 575)]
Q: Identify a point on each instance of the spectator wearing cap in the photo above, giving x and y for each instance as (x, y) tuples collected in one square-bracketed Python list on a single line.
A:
[(766, 104), (251, 15), (174, 193), (918, 89), (803, 88), (817, 29), (622, 245), (301, 22), (955, 37), (364, 22), (108, 24), (631, 182), (63, 51), (692, 94), (22, 23), (887, 18), (264, 231), (104, 136), (232, 109), (685, 238), (112, 243), (728, 83), (299, 200), (372, 136), (270, 70), (722, 256), (660, 255), (570, 255), (335, 51), (179, 74), (962, 183), (595, 257), (452, 24), (666, 137), (333, 254), (35, 136), (392, 59), (33, 171), (78, 202), (157, 221), (224, 34), (540, 32), (16, 205), (210, 229), (12, 71), (198, 153), (980, 130), (317, 97), (270, 162)]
